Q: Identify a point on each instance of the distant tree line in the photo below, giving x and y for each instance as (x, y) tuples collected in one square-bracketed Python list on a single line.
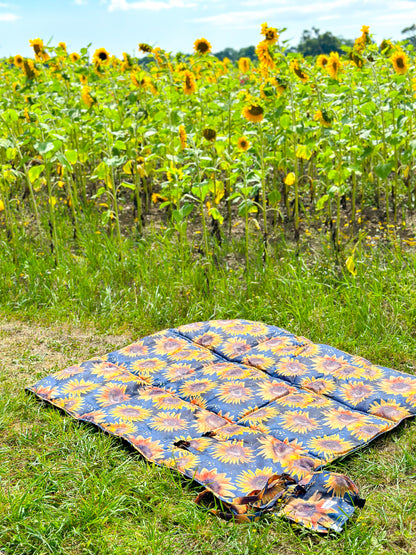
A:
[(312, 43)]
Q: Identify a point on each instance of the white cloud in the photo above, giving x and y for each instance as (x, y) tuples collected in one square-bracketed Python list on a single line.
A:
[(257, 11), (9, 17), (152, 5), (80, 2)]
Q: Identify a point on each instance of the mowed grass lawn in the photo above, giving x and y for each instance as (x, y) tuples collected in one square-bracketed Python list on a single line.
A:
[(67, 488)]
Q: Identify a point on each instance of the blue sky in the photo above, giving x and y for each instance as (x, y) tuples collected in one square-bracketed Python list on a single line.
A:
[(119, 25)]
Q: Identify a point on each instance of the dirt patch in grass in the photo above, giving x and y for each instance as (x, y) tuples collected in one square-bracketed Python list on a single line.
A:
[(29, 351)]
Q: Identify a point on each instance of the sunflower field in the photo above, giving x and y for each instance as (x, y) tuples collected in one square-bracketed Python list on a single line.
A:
[(207, 151)]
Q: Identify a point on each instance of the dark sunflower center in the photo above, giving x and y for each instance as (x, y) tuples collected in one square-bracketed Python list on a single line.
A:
[(269, 35), (209, 134), (400, 63), (202, 47), (256, 110), (102, 56)]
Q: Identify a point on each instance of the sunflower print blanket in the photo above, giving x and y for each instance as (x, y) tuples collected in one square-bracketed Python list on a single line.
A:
[(250, 411)]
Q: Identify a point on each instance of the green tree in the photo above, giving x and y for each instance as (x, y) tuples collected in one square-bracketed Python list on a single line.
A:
[(313, 43), (411, 32)]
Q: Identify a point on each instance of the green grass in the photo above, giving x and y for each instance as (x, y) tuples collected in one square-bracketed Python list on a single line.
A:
[(66, 488)]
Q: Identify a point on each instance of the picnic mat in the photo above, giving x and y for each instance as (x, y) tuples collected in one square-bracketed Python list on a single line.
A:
[(248, 410)]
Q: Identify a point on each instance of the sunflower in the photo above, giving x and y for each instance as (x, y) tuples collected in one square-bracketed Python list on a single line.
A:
[(202, 46), (105, 370), (290, 179), (151, 450), (76, 388), (101, 56), (119, 428), (356, 392), (322, 61), (273, 345), (182, 136), (96, 416), (322, 386), (253, 418), (148, 366), (191, 328), (343, 418), (62, 45), (209, 339), (271, 390), (169, 345), (372, 373), (299, 422), (386, 47), (244, 65), (48, 392), (189, 85), (193, 354), (145, 48), (18, 61), (184, 460), (398, 385), (291, 368), (130, 413), (308, 350), (170, 402), (364, 432), (390, 410), (259, 361), (177, 372), (207, 421), (330, 447), (234, 372), (73, 405), (134, 350), (29, 69), (74, 57), (40, 54), (196, 387), (300, 467), (300, 400), (400, 62), (254, 480), (270, 34), (356, 59), (83, 79), (253, 112), (234, 393), (323, 118), (112, 393), (200, 443), (311, 512), (298, 71), (168, 422), (69, 372), (86, 96), (334, 65), (232, 452), (328, 365), (264, 56), (218, 483), (209, 134), (235, 348), (278, 451), (339, 484)]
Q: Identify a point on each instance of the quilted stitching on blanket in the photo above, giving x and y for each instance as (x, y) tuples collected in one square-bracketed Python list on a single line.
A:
[(249, 410)]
